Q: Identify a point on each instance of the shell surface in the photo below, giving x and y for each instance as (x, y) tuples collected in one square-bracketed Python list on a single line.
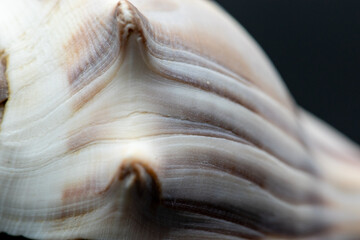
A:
[(154, 119)]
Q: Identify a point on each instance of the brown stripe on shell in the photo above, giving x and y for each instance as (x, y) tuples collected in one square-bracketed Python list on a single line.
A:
[(264, 109), (71, 212), (92, 56), (144, 191), (139, 22), (151, 211), (83, 137), (268, 113), (145, 209), (2, 109), (215, 159), (79, 191), (214, 116), (4, 89), (175, 208), (189, 47), (159, 125), (141, 25), (269, 225), (235, 187), (147, 212), (196, 193), (91, 51), (150, 214)]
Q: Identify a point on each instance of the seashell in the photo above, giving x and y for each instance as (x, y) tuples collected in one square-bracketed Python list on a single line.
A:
[(159, 120)]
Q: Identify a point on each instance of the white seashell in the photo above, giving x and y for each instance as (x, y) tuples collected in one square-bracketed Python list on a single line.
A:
[(159, 119)]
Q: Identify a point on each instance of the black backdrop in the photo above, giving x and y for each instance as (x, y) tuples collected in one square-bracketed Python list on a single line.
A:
[(315, 45)]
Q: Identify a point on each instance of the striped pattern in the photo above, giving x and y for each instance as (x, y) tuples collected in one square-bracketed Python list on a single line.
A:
[(4, 92), (159, 120)]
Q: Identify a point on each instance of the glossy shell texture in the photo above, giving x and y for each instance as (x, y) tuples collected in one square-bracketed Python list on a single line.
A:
[(159, 119)]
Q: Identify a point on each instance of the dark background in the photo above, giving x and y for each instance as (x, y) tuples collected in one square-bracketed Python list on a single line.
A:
[(315, 46)]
